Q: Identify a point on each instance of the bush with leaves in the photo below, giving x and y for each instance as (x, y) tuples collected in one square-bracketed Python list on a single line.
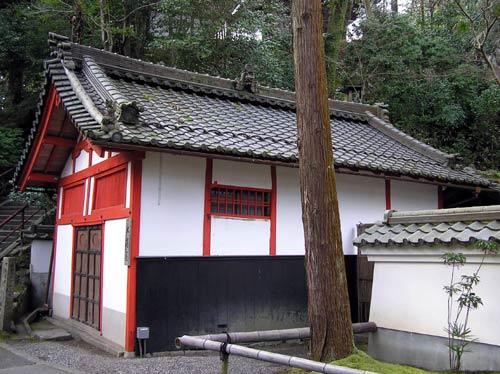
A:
[(436, 88), (462, 299)]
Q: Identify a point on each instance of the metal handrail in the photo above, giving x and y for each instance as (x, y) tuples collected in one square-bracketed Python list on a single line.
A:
[(21, 225), (13, 215), (6, 172)]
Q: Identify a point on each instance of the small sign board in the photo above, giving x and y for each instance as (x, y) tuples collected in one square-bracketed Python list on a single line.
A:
[(128, 232)]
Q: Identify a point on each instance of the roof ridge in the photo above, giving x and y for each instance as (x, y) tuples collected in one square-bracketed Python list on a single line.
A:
[(100, 81), (398, 135), (479, 213), (67, 50)]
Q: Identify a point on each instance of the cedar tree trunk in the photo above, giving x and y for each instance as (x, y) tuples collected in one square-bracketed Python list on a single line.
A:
[(328, 301), (336, 32)]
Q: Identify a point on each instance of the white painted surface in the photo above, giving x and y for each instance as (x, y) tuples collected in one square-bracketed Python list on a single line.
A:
[(60, 202), (91, 196), (97, 159), (239, 237), (68, 167), (413, 196), (113, 326), (289, 229), (113, 154), (241, 174), (361, 199), (40, 256), (129, 185), (82, 161), (85, 194), (63, 266), (408, 294), (114, 280), (172, 205)]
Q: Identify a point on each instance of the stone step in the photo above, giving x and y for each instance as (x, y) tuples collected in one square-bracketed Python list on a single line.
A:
[(89, 335)]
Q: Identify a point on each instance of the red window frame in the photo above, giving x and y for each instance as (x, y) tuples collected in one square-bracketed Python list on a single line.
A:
[(240, 202)]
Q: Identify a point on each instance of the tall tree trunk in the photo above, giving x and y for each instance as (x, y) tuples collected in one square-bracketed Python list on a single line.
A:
[(328, 301), (16, 78), (335, 32), (394, 6), (422, 13), (106, 37), (368, 8)]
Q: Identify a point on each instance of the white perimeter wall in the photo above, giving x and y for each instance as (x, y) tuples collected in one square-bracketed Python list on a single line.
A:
[(172, 205), (40, 256), (63, 268), (408, 294), (114, 278), (413, 196)]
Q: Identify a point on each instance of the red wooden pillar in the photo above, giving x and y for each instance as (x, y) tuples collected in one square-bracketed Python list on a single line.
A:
[(135, 206), (206, 213)]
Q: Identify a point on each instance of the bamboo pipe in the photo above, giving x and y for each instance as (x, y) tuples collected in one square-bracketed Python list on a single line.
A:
[(275, 335), (276, 358)]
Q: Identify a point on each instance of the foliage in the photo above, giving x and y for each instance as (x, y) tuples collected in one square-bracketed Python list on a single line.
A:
[(220, 38), (436, 83), (461, 294), (43, 200), (431, 80), (11, 141)]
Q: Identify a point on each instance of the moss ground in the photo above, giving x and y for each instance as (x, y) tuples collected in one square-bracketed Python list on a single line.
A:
[(362, 361)]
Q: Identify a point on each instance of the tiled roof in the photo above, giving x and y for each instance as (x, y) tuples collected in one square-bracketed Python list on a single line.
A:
[(198, 113), (434, 227)]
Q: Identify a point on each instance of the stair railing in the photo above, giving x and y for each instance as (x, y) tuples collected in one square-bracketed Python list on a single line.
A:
[(21, 211)]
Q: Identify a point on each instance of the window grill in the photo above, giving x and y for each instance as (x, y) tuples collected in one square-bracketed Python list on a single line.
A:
[(240, 202)]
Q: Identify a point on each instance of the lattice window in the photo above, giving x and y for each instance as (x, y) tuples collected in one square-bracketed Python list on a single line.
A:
[(240, 202)]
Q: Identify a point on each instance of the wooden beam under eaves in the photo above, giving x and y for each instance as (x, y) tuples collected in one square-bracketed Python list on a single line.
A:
[(45, 178), (53, 140)]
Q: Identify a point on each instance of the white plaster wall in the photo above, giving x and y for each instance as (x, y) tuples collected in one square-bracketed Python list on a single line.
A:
[(361, 199), (289, 229), (114, 286), (63, 266), (68, 167), (413, 196), (82, 161), (40, 256), (97, 159), (129, 185), (236, 236), (409, 296), (239, 237), (241, 174), (172, 205)]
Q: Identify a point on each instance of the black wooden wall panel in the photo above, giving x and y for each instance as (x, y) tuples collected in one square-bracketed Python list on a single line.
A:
[(201, 295)]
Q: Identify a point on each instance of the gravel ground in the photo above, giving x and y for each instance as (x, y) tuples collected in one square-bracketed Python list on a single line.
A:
[(78, 355)]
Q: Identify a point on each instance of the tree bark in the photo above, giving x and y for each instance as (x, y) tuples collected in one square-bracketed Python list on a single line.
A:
[(394, 6), (328, 301), (336, 31)]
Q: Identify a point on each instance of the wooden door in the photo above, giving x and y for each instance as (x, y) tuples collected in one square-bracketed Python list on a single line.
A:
[(365, 281), (87, 275)]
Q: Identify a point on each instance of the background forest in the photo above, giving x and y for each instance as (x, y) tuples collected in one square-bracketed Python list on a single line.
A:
[(435, 63)]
